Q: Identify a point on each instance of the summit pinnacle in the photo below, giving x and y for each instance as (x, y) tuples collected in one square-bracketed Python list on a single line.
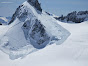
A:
[(36, 4)]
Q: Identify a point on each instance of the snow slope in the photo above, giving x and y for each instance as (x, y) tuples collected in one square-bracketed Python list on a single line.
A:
[(30, 30), (73, 52), (14, 41)]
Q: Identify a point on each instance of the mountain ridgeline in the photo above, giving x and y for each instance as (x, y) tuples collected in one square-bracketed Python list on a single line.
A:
[(22, 15), (74, 17)]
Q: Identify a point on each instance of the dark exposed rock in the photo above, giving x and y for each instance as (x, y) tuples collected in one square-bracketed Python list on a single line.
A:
[(36, 4), (48, 13), (0, 24), (16, 14), (75, 17), (35, 33)]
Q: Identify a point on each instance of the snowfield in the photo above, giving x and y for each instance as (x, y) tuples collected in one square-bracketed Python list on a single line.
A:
[(73, 52), (34, 39)]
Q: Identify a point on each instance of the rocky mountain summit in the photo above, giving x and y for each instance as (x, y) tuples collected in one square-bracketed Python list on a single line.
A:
[(74, 17), (36, 4)]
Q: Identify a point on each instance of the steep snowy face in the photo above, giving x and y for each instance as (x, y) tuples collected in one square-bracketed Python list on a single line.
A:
[(29, 31), (23, 11), (33, 29)]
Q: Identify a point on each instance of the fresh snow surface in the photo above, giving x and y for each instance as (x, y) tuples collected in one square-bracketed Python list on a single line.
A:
[(18, 41), (73, 52)]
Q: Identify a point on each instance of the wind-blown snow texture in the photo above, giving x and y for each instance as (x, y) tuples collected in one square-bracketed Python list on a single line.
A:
[(29, 31)]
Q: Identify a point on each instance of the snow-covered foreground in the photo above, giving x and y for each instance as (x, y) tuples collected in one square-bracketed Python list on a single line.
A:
[(73, 52)]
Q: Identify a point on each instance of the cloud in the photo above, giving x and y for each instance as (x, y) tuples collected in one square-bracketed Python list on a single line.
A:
[(6, 2)]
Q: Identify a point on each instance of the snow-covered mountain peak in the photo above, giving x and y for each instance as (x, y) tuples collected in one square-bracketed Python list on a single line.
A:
[(24, 11), (30, 30)]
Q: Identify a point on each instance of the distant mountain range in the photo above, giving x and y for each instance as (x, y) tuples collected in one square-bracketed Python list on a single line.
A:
[(4, 20), (74, 17)]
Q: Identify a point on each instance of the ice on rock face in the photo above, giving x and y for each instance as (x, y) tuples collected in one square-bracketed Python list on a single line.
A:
[(36, 33), (29, 31)]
